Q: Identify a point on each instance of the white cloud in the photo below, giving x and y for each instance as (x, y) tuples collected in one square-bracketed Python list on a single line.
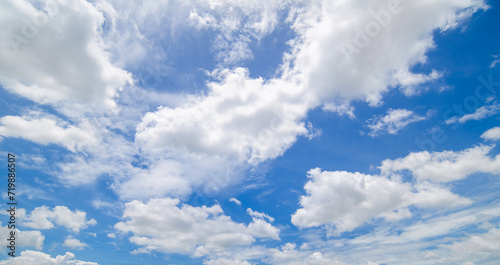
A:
[(44, 131), (23, 238), (492, 134), (248, 125), (479, 114), (235, 201), (44, 218), (341, 109), (495, 61), (359, 50), (290, 255), (55, 54), (74, 243), (238, 23), (223, 261), (162, 225), (348, 200), (445, 166), (40, 258), (392, 122), (425, 240)]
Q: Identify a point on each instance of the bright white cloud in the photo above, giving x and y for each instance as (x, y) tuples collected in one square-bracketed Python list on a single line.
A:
[(161, 225), (348, 200), (492, 134), (44, 218), (445, 166), (74, 243), (289, 254), (479, 114), (55, 54), (392, 122), (235, 201), (40, 258), (359, 50), (247, 123), (223, 261), (45, 131), (238, 23), (23, 238)]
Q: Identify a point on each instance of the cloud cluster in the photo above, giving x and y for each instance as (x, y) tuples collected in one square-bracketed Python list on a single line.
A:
[(162, 225), (249, 120), (392, 122), (35, 257), (492, 134), (479, 114), (347, 200), (24, 238), (44, 218)]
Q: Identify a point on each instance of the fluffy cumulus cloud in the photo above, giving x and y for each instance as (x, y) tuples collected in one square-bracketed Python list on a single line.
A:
[(54, 54), (290, 254), (72, 242), (392, 122), (162, 225), (445, 166), (223, 261), (44, 218), (24, 238), (492, 134), (345, 200), (35, 257), (43, 130)]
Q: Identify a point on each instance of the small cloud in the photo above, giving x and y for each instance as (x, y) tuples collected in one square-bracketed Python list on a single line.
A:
[(492, 134), (72, 242), (341, 110), (393, 121), (235, 201), (495, 61)]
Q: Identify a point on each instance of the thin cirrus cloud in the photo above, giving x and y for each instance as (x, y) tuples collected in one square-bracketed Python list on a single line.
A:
[(393, 121), (257, 128), (479, 114)]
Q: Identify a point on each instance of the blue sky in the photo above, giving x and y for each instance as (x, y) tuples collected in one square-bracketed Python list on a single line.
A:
[(252, 132)]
